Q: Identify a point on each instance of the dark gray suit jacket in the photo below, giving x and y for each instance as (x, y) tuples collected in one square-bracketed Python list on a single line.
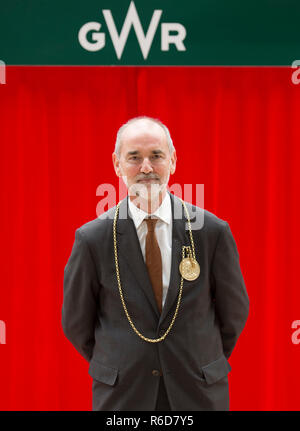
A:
[(193, 357)]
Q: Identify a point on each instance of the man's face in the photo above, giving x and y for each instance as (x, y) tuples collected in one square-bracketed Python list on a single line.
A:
[(145, 162)]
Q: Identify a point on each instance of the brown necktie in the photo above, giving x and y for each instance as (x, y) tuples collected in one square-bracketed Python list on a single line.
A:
[(153, 261)]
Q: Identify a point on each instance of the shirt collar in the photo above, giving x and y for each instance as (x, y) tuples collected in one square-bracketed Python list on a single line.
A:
[(163, 212)]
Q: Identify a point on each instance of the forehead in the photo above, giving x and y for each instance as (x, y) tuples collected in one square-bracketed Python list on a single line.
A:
[(143, 132)]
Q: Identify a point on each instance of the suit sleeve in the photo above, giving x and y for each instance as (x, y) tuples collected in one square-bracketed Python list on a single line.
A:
[(231, 298), (79, 310)]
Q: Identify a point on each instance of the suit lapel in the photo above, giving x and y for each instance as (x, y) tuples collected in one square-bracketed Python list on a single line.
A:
[(130, 250)]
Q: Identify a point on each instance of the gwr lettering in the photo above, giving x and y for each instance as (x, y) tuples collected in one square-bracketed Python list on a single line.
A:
[(132, 20)]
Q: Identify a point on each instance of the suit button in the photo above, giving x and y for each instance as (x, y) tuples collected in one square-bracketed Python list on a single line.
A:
[(156, 373)]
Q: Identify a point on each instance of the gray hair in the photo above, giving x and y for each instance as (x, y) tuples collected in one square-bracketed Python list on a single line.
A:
[(132, 120)]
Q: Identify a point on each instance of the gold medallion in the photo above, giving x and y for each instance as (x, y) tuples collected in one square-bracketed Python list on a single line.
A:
[(189, 268)]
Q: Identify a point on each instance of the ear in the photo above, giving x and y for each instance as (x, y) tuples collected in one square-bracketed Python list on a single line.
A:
[(173, 162), (116, 164)]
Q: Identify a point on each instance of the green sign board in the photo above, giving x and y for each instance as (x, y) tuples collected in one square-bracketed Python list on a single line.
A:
[(152, 32)]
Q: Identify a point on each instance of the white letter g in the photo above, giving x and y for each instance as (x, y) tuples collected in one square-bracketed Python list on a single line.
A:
[(99, 38)]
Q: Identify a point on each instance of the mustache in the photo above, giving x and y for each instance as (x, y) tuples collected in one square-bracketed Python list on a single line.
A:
[(147, 177)]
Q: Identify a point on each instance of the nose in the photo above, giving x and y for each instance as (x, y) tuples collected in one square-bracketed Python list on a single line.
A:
[(146, 166)]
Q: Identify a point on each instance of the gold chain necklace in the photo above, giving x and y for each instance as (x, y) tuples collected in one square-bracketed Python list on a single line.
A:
[(191, 254)]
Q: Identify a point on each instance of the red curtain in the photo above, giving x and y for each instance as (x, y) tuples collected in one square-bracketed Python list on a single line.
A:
[(236, 130)]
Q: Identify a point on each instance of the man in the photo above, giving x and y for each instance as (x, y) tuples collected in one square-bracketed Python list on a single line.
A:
[(156, 321)]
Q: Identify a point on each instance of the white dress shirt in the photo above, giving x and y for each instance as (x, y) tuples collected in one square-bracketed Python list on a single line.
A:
[(163, 232)]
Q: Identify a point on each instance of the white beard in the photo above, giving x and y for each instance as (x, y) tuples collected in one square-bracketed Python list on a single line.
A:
[(147, 192)]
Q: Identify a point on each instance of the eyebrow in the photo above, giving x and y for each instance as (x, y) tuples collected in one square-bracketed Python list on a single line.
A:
[(133, 153)]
